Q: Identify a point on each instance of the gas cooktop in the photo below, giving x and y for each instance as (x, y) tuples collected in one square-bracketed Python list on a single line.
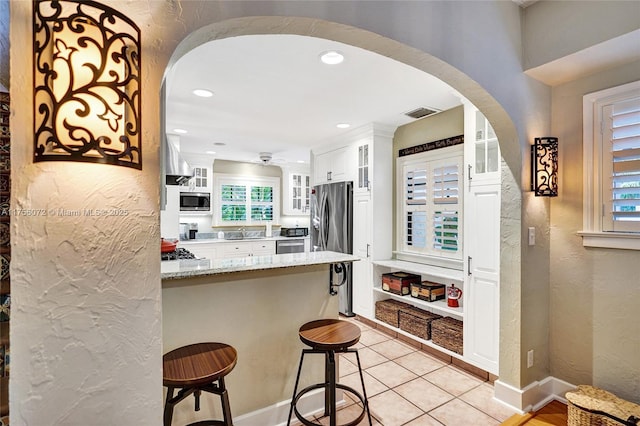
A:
[(178, 254)]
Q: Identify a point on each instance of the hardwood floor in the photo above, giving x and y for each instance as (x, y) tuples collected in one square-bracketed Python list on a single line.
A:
[(554, 413)]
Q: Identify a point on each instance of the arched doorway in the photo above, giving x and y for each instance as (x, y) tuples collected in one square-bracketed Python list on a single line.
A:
[(510, 225)]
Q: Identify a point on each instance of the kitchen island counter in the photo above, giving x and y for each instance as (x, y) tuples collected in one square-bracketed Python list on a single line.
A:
[(188, 268), (255, 304)]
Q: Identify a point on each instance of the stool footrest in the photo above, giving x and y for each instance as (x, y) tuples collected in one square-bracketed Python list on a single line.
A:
[(325, 385)]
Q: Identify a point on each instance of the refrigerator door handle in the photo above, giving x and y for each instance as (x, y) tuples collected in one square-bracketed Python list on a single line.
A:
[(325, 222)]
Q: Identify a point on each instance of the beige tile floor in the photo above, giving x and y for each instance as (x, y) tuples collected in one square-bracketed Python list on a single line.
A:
[(408, 387)]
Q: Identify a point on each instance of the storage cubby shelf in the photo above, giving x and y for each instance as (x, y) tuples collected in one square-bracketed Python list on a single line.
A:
[(430, 272), (437, 307)]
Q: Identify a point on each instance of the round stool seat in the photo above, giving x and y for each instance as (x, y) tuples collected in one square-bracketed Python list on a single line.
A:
[(197, 364), (329, 334)]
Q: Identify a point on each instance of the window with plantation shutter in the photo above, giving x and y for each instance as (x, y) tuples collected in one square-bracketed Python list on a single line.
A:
[(612, 168), (432, 207), (621, 166), (245, 200)]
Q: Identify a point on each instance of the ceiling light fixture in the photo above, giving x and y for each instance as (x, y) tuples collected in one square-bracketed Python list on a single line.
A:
[(181, 131), (211, 152), (219, 143), (343, 125), (301, 161), (87, 104), (203, 93), (331, 57)]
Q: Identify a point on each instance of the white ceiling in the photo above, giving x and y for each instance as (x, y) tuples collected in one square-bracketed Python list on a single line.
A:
[(272, 93)]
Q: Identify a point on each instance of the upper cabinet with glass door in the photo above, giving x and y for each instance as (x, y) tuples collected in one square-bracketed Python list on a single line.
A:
[(297, 189), (481, 146)]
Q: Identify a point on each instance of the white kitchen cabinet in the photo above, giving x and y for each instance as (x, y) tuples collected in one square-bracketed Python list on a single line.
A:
[(331, 166), (362, 238), (246, 248), (297, 190), (482, 152), (201, 250), (482, 285), (482, 242), (372, 209)]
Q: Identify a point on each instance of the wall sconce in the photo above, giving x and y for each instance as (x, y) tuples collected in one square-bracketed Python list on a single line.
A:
[(86, 84), (544, 167)]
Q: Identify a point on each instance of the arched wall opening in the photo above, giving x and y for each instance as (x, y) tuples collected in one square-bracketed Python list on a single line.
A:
[(510, 221)]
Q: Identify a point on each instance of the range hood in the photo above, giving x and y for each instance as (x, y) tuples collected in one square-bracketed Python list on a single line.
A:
[(177, 171)]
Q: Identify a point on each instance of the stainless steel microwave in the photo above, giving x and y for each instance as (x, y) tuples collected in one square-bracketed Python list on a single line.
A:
[(195, 201)]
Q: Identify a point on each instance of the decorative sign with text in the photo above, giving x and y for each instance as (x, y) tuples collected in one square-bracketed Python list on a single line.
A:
[(429, 146)]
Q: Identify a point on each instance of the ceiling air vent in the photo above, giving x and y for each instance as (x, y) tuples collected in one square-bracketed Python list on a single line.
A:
[(420, 112)]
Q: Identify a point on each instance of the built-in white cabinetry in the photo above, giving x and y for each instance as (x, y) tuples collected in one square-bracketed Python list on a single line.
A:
[(246, 248), (230, 249), (201, 180), (297, 190), (201, 250), (362, 241), (331, 166), (482, 242)]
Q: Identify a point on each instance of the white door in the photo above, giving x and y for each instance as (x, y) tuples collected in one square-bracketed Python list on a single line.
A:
[(362, 231), (482, 267)]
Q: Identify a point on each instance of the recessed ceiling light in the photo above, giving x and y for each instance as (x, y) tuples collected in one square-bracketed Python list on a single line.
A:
[(203, 93), (219, 143), (180, 131), (211, 152), (343, 125), (331, 57)]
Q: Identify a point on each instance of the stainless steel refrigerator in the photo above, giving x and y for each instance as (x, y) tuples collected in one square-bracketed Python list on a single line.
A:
[(332, 230)]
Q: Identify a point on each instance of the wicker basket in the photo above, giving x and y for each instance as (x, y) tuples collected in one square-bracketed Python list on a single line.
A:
[(387, 311), (417, 322), (590, 406), (447, 332)]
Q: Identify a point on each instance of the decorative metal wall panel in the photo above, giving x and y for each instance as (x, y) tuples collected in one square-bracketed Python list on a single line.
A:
[(544, 167), (86, 84)]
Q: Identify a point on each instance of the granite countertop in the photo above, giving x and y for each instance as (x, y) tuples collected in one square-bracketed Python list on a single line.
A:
[(177, 269)]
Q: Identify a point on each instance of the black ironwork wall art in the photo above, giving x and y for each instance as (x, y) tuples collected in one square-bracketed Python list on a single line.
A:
[(86, 84), (544, 167)]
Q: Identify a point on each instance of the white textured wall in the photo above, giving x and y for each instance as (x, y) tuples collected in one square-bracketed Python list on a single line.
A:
[(553, 29), (86, 327), (595, 293)]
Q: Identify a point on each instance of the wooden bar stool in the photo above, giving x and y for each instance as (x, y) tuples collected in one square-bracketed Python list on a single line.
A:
[(328, 337), (194, 369)]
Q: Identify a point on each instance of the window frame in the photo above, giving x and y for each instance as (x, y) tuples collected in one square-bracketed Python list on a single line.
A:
[(429, 255), (593, 234), (221, 179)]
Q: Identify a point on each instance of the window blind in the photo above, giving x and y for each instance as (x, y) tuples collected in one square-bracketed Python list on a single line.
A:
[(621, 163)]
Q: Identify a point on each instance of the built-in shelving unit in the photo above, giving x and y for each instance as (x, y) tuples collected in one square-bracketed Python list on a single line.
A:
[(418, 339), (428, 271), (437, 307)]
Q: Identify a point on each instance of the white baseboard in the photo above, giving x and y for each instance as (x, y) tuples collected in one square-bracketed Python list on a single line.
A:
[(533, 396), (276, 415)]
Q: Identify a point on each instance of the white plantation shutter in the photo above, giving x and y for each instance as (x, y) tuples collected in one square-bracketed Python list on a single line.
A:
[(432, 208), (621, 165), (416, 185)]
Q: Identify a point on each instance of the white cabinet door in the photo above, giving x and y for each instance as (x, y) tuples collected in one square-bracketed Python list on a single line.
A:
[(362, 270), (482, 287), (201, 250), (297, 190), (263, 248), (330, 166), (235, 249), (482, 152)]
